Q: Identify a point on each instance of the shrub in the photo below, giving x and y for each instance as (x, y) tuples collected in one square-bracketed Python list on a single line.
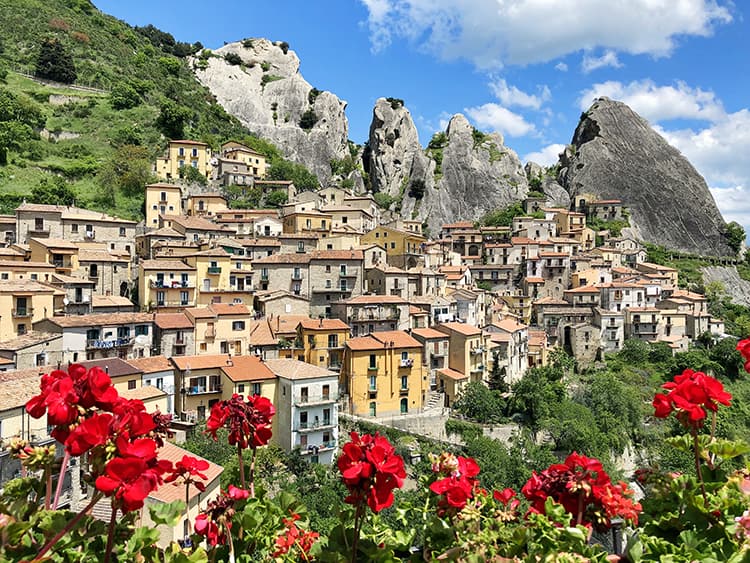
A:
[(308, 120), (247, 43), (80, 37), (265, 66), (417, 188), (55, 62), (267, 78), (277, 198), (395, 102), (233, 59), (170, 65), (191, 175), (124, 96), (384, 200), (312, 96), (284, 46)]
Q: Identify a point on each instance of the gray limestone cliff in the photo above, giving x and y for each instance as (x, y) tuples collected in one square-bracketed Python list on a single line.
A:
[(462, 175), (615, 154), (269, 96)]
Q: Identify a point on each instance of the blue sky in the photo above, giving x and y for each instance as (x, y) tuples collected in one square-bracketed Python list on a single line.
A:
[(524, 68)]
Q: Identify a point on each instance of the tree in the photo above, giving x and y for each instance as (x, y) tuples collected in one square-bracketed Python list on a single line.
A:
[(478, 403), (233, 59), (301, 177), (19, 116), (53, 191), (243, 197), (192, 175), (127, 170), (54, 62), (124, 96), (308, 119), (277, 198), (172, 119), (735, 235), (497, 375)]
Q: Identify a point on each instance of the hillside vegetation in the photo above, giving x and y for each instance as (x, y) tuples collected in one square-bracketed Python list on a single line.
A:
[(97, 144)]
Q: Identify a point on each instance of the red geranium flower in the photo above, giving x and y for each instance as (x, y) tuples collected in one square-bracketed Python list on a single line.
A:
[(189, 470), (249, 422), (690, 395), (460, 485), (293, 536), (371, 470), (130, 480)]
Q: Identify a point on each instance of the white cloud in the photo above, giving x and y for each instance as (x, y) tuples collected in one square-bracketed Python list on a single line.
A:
[(497, 118), (590, 63), (562, 67), (734, 204), (491, 33), (658, 103), (512, 96), (546, 156)]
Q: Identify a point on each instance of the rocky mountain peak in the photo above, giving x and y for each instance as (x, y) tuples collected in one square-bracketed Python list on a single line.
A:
[(616, 154), (270, 97)]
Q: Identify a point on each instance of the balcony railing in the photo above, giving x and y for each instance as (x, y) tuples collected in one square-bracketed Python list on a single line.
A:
[(264, 277), (315, 425), (315, 448), (477, 351), (407, 363), (376, 315), (97, 343), (316, 399), (23, 312), (478, 368), (214, 270), (202, 389), (210, 333), (297, 276), (156, 284)]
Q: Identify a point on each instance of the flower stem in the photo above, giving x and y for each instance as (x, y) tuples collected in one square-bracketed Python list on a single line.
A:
[(242, 466), (110, 534), (579, 518), (252, 473), (358, 518), (699, 473), (48, 486), (68, 527), (60, 479)]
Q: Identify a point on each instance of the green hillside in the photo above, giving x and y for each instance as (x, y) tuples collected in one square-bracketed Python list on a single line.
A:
[(102, 140)]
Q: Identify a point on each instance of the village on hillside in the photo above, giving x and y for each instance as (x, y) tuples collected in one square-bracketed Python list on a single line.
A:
[(329, 305)]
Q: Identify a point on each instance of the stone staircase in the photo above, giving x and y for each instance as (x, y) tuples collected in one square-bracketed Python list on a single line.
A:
[(435, 401)]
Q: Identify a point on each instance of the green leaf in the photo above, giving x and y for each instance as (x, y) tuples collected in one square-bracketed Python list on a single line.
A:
[(728, 449), (168, 514)]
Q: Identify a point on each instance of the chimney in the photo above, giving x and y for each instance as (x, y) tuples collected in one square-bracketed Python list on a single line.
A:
[(321, 322)]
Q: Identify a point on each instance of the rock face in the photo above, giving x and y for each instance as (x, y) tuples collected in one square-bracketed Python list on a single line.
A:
[(615, 154), (464, 176), (269, 96), (737, 288)]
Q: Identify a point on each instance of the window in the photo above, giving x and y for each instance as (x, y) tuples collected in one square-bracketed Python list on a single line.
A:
[(373, 383), (38, 224), (4, 276), (194, 153), (123, 332), (404, 382), (256, 388), (333, 340), (74, 228), (131, 384), (122, 231), (373, 409), (181, 151), (342, 269), (373, 362), (328, 283), (404, 405), (300, 244), (238, 325), (141, 330), (393, 245), (93, 271), (303, 419), (343, 285)]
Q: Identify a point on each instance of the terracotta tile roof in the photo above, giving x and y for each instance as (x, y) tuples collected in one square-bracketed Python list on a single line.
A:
[(115, 367), (229, 309), (16, 392), (337, 255), (144, 393), (500, 337), (99, 301), (166, 321), (461, 328), (295, 370), (375, 300), (25, 286), (417, 312), (381, 340), (286, 324), (29, 339), (247, 368), (200, 313), (458, 225), (194, 223), (85, 255), (452, 374), (102, 319), (546, 254), (63, 279), (152, 364), (534, 280), (165, 265), (509, 325), (323, 324), (164, 232), (188, 142), (261, 333), (537, 338), (550, 301), (171, 492), (283, 259), (428, 333), (271, 294), (55, 243), (259, 242), (203, 361), (583, 289), (606, 202)]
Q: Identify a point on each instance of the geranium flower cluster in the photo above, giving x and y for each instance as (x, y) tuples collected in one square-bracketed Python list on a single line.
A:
[(459, 483), (117, 434), (293, 537), (690, 395), (189, 471), (249, 422), (215, 521), (584, 489), (743, 347), (371, 469)]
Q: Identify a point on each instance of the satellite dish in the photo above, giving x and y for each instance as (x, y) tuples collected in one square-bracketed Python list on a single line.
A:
[(141, 340), (66, 301)]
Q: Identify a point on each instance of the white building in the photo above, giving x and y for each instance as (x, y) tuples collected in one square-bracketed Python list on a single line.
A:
[(306, 409)]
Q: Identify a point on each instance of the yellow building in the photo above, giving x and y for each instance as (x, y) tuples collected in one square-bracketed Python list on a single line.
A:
[(206, 204), (255, 161), (308, 222), (211, 269), (519, 304), (201, 381), (221, 328), (383, 374), (61, 254), (319, 342), (24, 302), (468, 349), (166, 284), (162, 199), (184, 153), (403, 249)]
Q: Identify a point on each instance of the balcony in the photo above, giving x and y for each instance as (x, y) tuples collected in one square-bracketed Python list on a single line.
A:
[(89, 235), (62, 264), (41, 232), (264, 276), (99, 344), (386, 314), (156, 284), (315, 448), (214, 270), (22, 312), (311, 400), (297, 276), (403, 391), (332, 289), (210, 333), (202, 389), (407, 363), (348, 274), (478, 368), (324, 424), (479, 350)]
